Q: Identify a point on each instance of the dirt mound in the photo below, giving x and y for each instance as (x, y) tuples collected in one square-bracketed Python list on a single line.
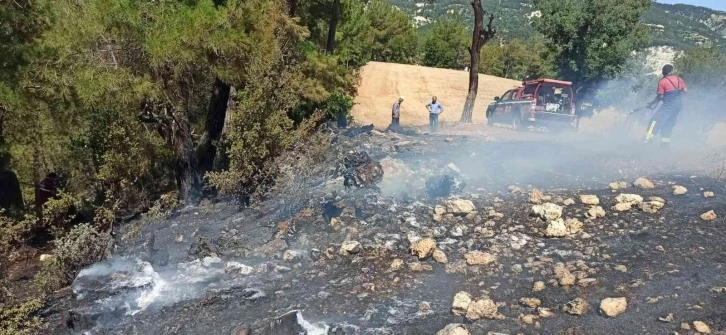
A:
[(382, 83)]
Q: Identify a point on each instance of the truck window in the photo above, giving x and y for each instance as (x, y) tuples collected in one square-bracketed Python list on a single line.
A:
[(508, 95)]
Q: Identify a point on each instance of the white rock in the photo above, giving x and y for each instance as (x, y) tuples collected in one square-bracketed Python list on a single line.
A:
[(350, 247), (701, 327), (613, 307), (643, 183), (568, 202), (239, 268), (556, 228), (454, 329), (709, 216), (423, 248), (590, 200), (547, 211), (209, 261), (461, 303), (479, 258), (482, 308), (618, 185), (440, 257), (45, 257), (679, 190), (708, 194), (595, 212), (629, 198), (460, 206)]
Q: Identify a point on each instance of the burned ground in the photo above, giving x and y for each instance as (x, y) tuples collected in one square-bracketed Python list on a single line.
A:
[(665, 262)]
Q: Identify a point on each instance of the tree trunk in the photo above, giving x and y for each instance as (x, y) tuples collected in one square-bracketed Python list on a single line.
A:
[(334, 17), (216, 114), (291, 7), (480, 36), (187, 175)]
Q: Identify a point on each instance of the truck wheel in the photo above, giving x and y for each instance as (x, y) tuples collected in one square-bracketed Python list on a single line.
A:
[(490, 118)]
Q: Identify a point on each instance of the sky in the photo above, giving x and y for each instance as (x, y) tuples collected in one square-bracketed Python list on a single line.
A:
[(715, 4)]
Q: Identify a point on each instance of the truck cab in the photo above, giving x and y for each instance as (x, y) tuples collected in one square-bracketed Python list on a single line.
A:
[(546, 102)]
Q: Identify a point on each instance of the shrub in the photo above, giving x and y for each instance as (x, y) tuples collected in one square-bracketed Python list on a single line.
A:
[(338, 105), (80, 247), (164, 206), (19, 319)]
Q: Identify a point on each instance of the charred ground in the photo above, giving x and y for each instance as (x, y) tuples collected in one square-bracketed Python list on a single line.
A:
[(666, 262)]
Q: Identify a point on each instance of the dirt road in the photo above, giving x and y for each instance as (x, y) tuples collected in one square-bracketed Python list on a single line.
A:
[(382, 83)]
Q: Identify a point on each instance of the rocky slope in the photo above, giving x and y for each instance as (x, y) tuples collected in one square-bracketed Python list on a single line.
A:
[(522, 237)]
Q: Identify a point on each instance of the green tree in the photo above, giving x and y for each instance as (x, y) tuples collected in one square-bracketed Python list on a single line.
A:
[(394, 37), (446, 44), (521, 60), (591, 39), (702, 68)]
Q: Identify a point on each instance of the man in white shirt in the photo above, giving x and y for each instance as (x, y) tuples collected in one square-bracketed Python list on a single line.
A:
[(435, 109)]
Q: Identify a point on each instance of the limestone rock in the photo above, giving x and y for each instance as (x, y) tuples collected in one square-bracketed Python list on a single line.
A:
[(440, 210), (590, 200), (679, 190), (290, 255), (423, 248), (479, 258), (578, 306), (238, 268), (418, 267), (454, 329), (461, 303), (613, 307), (595, 212), (535, 196), (538, 286), (624, 198), (350, 247), (530, 302), (482, 308), (643, 183), (708, 194), (701, 327), (651, 206), (440, 257), (618, 185), (460, 207), (568, 202), (556, 228), (547, 211), (709, 216), (397, 264), (574, 226), (621, 268)]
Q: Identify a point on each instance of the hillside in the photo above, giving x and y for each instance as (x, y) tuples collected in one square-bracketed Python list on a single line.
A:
[(680, 26), (382, 83)]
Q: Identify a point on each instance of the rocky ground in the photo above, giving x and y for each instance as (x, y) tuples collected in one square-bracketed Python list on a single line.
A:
[(543, 236)]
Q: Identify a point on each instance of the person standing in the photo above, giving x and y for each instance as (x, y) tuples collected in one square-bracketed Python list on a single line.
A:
[(435, 109), (670, 90), (396, 112)]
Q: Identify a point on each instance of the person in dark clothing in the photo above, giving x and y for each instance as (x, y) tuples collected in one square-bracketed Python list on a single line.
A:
[(396, 112), (45, 190), (670, 90), (11, 197)]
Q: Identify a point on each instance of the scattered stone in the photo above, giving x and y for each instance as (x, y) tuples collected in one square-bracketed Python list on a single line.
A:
[(423, 248), (461, 303), (708, 194), (530, 302), (685, 326), (45, 257), (350, 247), (460, 207), (424, 306), (397, 264), (290, 255), (479, 258), (618, 185), (709, 216), (643, 183), (629, 198), (335, 223), (454, 329), (210, 261), (621, 268), (613, 307), (651, 206), (238, 268), (701, 327), (440, 210), (449, 139), (679, 190), (578, 306), (568, 202), (538, 286), (418, 267), (440, 257), (660, 248), (179, 239), (595, 212), (669, 318), (556, 228), (586, 282), (574, 226), (535, 196), (545, 312), (547, 211), (721, 289), (528, 319), (590, 200), (482, 308)]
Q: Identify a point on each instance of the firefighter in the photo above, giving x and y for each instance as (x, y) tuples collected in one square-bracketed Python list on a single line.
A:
[(670, 90)]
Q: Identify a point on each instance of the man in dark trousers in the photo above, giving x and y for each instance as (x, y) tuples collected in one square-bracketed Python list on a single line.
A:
[(670, 90), (434, 108), (47, 189), (396, 112)]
